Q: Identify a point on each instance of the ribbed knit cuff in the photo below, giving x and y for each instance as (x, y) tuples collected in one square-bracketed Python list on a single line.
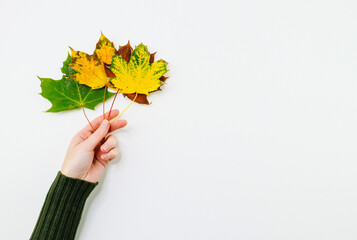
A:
[(62, 209)]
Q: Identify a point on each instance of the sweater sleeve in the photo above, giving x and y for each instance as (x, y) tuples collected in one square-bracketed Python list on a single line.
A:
[(62, 210)]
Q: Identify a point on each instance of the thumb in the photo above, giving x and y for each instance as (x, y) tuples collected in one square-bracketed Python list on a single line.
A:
[(97, 136)]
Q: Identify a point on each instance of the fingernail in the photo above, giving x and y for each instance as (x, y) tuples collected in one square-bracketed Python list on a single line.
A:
[(104, 156), (105, 148), (105, 123)]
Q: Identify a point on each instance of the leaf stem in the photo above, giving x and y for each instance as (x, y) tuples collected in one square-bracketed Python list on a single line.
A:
[(115, 96), (105, 90), (124, 109), (84, 112)]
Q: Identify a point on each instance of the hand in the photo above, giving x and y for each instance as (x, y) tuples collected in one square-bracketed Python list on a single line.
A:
[(89, 153)]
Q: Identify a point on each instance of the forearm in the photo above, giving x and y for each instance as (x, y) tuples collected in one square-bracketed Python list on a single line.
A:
[(62, 210)]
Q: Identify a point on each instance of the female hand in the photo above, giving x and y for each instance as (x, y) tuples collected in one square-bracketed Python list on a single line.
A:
[(89, 152)]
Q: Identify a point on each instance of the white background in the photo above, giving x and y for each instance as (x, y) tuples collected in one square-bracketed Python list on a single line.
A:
[(252, 137)]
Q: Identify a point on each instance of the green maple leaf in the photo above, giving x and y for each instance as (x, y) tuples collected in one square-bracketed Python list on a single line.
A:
[(67, 94), (66, 69)]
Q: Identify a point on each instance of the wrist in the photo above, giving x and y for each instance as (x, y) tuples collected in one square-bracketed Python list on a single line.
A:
[(75, 176)]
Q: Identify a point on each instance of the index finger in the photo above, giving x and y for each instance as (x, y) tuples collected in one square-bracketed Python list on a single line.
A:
[(97, 121), (87, 131)]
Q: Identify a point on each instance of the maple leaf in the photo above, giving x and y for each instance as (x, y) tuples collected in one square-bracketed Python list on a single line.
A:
[(67, 94), (89, 69), (125, 51), (141, 98), (105, 50), (139, 76)]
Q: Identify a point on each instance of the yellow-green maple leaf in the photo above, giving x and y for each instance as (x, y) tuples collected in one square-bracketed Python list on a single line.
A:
[(138, 75), (105, 50), (89, 70)]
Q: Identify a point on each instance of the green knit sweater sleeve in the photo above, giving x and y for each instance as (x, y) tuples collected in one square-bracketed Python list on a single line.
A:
[(62, 210)]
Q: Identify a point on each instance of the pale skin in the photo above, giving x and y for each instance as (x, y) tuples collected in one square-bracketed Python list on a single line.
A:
[(89, 151)]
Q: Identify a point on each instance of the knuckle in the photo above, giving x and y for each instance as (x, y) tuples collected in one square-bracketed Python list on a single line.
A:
[(115, 152), (112, 140), (83, 135)]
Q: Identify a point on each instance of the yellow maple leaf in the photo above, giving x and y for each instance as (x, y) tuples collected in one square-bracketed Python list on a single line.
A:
[(105, 50), (89, 70), (139, 75)]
